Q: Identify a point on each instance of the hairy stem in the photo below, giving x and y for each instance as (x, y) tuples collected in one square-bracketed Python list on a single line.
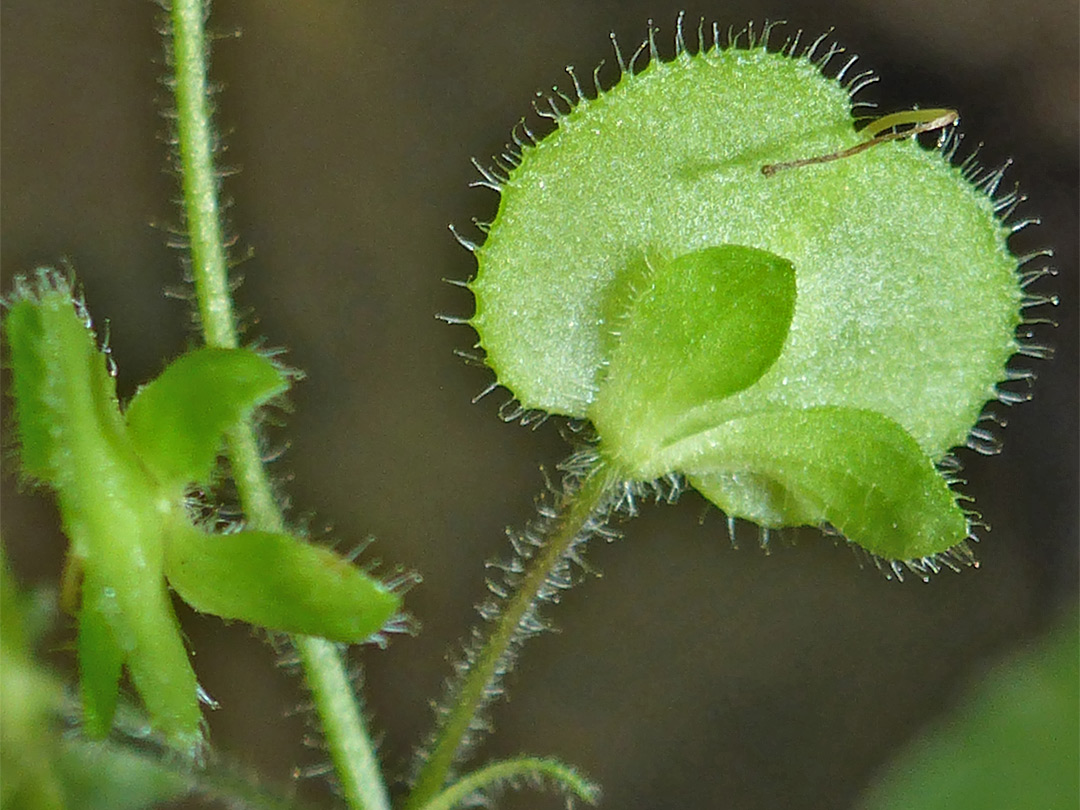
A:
[(469, 697), (199, 180), (507, 771), (343, 725), (347, 737)]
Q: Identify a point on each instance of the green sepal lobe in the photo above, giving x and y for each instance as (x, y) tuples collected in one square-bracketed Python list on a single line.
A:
[(100, 657), (177, 421), (277, 581), (855, 469), (729, 302), (65, 400)]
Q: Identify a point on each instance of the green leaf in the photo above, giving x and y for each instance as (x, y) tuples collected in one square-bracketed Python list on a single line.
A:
[(177, 421), (149, 634), (857, 470), (30, 697), (760, 499), (27, 340), (114, 513), (277, 581), (1012, 742), (100, 776), (680, 316), (100, 657)]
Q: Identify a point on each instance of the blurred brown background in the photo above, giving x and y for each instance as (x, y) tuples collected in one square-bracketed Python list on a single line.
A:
[(690, 675)]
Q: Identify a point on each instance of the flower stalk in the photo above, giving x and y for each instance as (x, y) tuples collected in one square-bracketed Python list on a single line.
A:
[(581, 508), (347, 738)]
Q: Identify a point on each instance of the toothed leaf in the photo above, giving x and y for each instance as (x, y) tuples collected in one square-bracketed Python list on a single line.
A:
[(177, 421), (857, 470), (277, 581)]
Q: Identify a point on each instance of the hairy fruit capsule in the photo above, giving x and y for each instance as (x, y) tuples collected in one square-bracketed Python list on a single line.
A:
[(710, 263)]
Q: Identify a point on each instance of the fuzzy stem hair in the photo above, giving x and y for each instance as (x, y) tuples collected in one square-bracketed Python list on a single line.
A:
[(346, 733), (479, 684)]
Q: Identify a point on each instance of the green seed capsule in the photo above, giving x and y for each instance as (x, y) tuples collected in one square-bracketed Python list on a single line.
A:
[(732, 282)]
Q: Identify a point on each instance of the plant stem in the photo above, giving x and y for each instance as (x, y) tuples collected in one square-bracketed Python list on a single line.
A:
[(586, 502), (199, 180), (509, 771), (343, 724)]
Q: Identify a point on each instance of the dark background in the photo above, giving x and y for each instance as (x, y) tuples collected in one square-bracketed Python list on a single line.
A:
[(690, 675)]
